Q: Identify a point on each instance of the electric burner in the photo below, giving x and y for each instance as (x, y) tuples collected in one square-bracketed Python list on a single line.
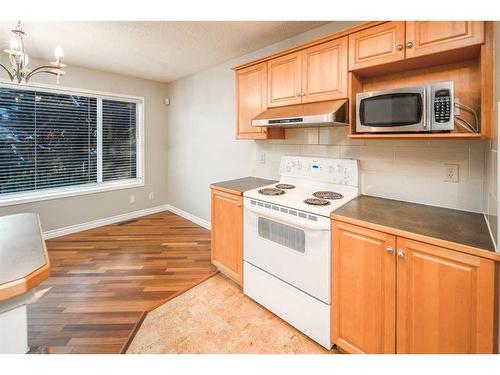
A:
[(285, 186), (328, 195), (271, 191), (316, 202)]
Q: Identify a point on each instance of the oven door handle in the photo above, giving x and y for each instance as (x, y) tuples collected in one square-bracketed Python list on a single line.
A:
[(287, 219)]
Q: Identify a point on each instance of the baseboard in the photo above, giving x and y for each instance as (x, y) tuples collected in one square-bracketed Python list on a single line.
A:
[(105, 221), (186, 215), (124, 217)]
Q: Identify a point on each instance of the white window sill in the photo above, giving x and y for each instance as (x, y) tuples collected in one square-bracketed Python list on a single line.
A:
[(56, 193)]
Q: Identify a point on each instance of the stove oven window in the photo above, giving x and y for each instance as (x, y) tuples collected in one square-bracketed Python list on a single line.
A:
[(282, 234)]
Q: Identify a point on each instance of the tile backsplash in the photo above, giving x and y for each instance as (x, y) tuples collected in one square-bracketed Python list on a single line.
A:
[(410, 170)]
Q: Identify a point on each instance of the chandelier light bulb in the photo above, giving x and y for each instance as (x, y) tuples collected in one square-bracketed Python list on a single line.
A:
[(14, 44), (59, 53)]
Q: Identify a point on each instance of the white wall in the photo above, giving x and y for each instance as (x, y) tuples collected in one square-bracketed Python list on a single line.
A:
[(202, 148), (58, 213)]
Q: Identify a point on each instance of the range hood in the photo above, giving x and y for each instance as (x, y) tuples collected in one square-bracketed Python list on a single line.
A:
[(330, 113)]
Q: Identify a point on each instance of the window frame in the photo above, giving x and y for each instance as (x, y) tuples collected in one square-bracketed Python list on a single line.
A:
[(16, 198)]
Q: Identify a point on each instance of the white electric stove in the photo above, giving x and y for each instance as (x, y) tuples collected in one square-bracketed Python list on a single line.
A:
[(287, 240)]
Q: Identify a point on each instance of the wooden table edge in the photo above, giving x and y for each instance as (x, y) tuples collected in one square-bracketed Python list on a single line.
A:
[(22, 285)]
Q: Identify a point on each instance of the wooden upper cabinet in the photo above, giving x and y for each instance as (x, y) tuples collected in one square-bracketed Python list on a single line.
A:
[(284, 80), (227, 234), (377, 45), (324, 71), (445, 300), (363, 289), (251, 91), (426, 37), (252, 97)]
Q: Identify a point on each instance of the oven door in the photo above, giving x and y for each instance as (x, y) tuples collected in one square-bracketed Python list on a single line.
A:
[(399, 110), (292, 249)]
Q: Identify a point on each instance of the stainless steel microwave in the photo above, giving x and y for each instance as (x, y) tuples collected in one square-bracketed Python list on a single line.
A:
[(428, 108)]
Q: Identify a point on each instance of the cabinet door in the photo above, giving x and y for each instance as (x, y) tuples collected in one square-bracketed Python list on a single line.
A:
[(426, 37), (444, 300), (227, 234), (251, 99), (363, 289), (284, 80), (324, 71), (251, 88), (377, 45)]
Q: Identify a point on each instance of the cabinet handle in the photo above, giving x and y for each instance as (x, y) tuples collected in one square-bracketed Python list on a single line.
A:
[(409, 44), (399, 46), (297, 94), (238, 204), (389, 249), (302, 94), (401, 253)]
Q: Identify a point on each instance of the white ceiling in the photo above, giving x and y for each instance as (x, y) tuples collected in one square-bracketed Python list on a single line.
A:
[(160, 51)]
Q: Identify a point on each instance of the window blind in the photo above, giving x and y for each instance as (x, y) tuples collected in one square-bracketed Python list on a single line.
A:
[(118, 140), (47, 140), (53, 140)]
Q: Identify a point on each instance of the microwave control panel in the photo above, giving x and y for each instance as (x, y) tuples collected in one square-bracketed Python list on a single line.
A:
[(442, 106)]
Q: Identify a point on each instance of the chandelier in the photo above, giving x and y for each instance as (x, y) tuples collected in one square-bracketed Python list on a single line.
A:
[(19, 60)]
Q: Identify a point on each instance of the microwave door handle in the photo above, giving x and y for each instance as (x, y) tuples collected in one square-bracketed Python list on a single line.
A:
[(287, 219)]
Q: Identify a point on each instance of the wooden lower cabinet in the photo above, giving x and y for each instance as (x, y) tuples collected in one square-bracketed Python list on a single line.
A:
[(395, 295), (363, 289), (445, 300), (227, 234)]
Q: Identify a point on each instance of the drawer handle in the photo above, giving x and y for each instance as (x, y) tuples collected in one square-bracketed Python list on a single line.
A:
[(401, 253)]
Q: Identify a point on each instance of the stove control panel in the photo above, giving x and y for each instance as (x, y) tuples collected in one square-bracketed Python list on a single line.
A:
[(335, 171)]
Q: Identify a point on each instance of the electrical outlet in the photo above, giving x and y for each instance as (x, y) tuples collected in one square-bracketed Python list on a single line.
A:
[(132, 199), (151, 195), (262, 158), (451, 172)]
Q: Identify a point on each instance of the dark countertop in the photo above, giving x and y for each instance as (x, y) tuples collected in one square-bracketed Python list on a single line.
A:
[(22, 248), (240, 185), (462, 227)]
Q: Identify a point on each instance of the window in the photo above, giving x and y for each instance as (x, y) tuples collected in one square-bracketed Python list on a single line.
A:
[(59, 143)]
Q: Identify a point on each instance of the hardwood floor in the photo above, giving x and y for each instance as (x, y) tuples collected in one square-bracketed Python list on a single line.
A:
[(104, 279)]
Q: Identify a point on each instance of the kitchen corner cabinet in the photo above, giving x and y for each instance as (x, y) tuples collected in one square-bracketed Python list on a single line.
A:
[(395, 295), (227, 234), (315, 74), (251, 92)]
